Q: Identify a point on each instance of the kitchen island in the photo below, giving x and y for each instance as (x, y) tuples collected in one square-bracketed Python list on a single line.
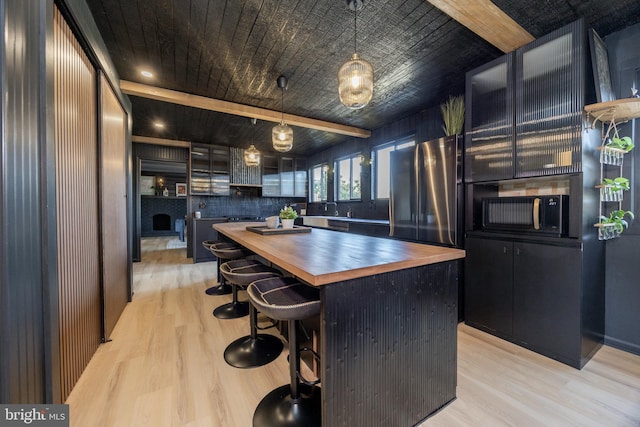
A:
[(388, 322)]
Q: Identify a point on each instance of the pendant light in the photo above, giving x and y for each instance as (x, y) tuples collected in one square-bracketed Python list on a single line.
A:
[(355, 78), (251, 154), (282, 135)]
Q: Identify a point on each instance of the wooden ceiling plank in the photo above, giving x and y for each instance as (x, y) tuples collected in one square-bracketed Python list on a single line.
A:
[(190, 100), (486, 20)]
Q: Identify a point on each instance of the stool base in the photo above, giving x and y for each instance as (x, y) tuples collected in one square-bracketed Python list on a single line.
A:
[(219, 290), (247, 352), (277, 409), (232, 310)]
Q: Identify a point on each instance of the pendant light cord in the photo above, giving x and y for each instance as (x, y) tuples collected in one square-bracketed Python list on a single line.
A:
[(355, 30), (282, 107)]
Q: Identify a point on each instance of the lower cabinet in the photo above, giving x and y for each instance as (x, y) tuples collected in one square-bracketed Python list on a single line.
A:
[(202, 230), (528, 293)]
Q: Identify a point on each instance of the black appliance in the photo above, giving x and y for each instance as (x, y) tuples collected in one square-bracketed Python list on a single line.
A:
[(425, 202), (546, 215)]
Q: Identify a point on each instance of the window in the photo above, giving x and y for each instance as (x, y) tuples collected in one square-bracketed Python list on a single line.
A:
[(319, 183), (348, 179), (381, 159)]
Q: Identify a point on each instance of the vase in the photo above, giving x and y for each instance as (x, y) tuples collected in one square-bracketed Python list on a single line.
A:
[(287, 223)]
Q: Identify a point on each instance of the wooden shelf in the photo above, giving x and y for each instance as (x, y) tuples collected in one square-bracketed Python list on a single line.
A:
[(620, 110)]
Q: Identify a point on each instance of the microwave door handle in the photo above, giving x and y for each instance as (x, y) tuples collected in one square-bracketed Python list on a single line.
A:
[(536, 214)]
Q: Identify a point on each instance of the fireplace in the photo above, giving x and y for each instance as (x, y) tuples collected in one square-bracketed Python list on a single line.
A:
[(161, 222)]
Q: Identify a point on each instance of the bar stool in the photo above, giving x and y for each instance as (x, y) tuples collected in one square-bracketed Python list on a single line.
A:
[(221, 288), (225, 251), (299, 402), (236, 308), (255, 349)]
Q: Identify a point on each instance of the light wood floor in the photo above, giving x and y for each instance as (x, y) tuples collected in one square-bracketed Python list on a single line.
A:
[(165, 367)]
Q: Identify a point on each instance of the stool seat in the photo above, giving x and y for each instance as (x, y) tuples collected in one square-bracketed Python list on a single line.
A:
[(284, 298), (242, 272), (229, 251), (296, 404)]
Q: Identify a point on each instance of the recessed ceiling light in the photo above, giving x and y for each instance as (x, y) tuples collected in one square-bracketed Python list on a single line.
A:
[(158, 125), (146, 73)]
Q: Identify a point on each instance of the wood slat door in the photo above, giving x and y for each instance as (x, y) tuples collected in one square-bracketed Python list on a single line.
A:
[(115, 274), (76, 156)]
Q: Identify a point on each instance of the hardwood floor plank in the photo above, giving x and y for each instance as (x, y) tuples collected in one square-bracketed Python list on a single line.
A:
[(165, 367)]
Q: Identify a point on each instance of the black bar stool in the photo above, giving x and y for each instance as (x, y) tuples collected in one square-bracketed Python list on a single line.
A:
[(255, 349), (298, 403), (224, 251), (236, 308), (221, 288)]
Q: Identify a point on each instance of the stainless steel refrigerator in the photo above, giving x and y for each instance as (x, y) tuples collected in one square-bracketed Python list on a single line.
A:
[(426, 200)]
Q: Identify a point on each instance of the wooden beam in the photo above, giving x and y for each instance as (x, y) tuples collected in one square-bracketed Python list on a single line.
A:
[(486, 20), (190, 100), (160, 141)]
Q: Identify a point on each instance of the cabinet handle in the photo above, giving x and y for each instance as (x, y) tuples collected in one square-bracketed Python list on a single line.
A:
[(536, 213), (504, 249), (517, 251)]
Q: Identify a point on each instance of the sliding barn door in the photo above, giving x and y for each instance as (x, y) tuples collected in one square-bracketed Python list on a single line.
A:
[(76, 156), (115, 275)]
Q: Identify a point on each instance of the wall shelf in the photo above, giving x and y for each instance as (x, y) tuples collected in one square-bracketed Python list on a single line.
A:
[(620, 110)]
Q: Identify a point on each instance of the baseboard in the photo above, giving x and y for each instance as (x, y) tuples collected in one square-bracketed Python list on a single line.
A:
[(622, 345)]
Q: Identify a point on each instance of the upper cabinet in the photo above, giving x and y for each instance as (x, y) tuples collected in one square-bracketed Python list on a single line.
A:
[(524, 110), (284, 176), (209, 170), (489, 121)]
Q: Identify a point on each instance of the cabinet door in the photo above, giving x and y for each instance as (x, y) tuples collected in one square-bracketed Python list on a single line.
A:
[(489, 121), (200, 170), (300, 184), (488, 284), (286, 176), (546, 298), (220, 170), (550, 97), (270, 176)]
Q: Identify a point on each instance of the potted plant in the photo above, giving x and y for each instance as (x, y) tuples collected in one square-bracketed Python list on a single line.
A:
[(612, 188), (453, 115), (287, 216), (625, 143), (614, 224)]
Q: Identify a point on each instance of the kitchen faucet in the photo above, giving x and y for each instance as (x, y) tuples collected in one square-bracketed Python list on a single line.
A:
[(335, 205)]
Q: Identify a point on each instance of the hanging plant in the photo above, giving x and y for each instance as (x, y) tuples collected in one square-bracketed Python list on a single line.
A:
[(453, 115)]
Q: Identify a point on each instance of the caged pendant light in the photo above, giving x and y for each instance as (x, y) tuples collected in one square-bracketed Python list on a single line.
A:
[(251, 154), (355, 78), (282, 135)]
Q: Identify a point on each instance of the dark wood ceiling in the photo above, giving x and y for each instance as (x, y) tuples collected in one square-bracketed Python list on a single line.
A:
[(234, 50)]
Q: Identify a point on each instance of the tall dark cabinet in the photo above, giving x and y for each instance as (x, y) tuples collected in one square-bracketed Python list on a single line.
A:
[(526, 134)]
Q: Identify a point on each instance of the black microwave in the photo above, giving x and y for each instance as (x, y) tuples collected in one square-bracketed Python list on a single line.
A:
[(547, 215)]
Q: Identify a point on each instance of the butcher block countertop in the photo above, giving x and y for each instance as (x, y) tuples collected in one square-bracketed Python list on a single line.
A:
[(325, 256)]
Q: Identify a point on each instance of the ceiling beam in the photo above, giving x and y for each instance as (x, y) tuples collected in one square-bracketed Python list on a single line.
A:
[(196, 101), (486, 20), (160, 141)]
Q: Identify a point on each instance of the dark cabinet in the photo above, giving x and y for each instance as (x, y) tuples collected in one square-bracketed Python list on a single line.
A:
[(284, 176), (201, 230), (546, 298), (489, 121), (209, 170), (524, 110), (489, 285), (528, 293)]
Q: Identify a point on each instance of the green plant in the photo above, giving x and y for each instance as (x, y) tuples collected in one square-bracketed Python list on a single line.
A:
[(617, 219), (618, 184), (453, 115), (625, 143), (288, 213)]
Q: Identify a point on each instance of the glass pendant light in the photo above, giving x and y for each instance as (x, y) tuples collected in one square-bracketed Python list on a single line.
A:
[(251, 154), (355, 78), (282, 135)]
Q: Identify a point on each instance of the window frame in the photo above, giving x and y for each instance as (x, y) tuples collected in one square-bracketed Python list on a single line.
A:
[(356, 157), (324, 174), (397, 144)]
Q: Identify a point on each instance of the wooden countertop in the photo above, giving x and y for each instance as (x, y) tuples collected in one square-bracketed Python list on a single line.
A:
[(325, 256)]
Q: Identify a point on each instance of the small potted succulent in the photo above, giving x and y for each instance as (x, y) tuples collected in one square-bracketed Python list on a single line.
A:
[(287, 216)]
